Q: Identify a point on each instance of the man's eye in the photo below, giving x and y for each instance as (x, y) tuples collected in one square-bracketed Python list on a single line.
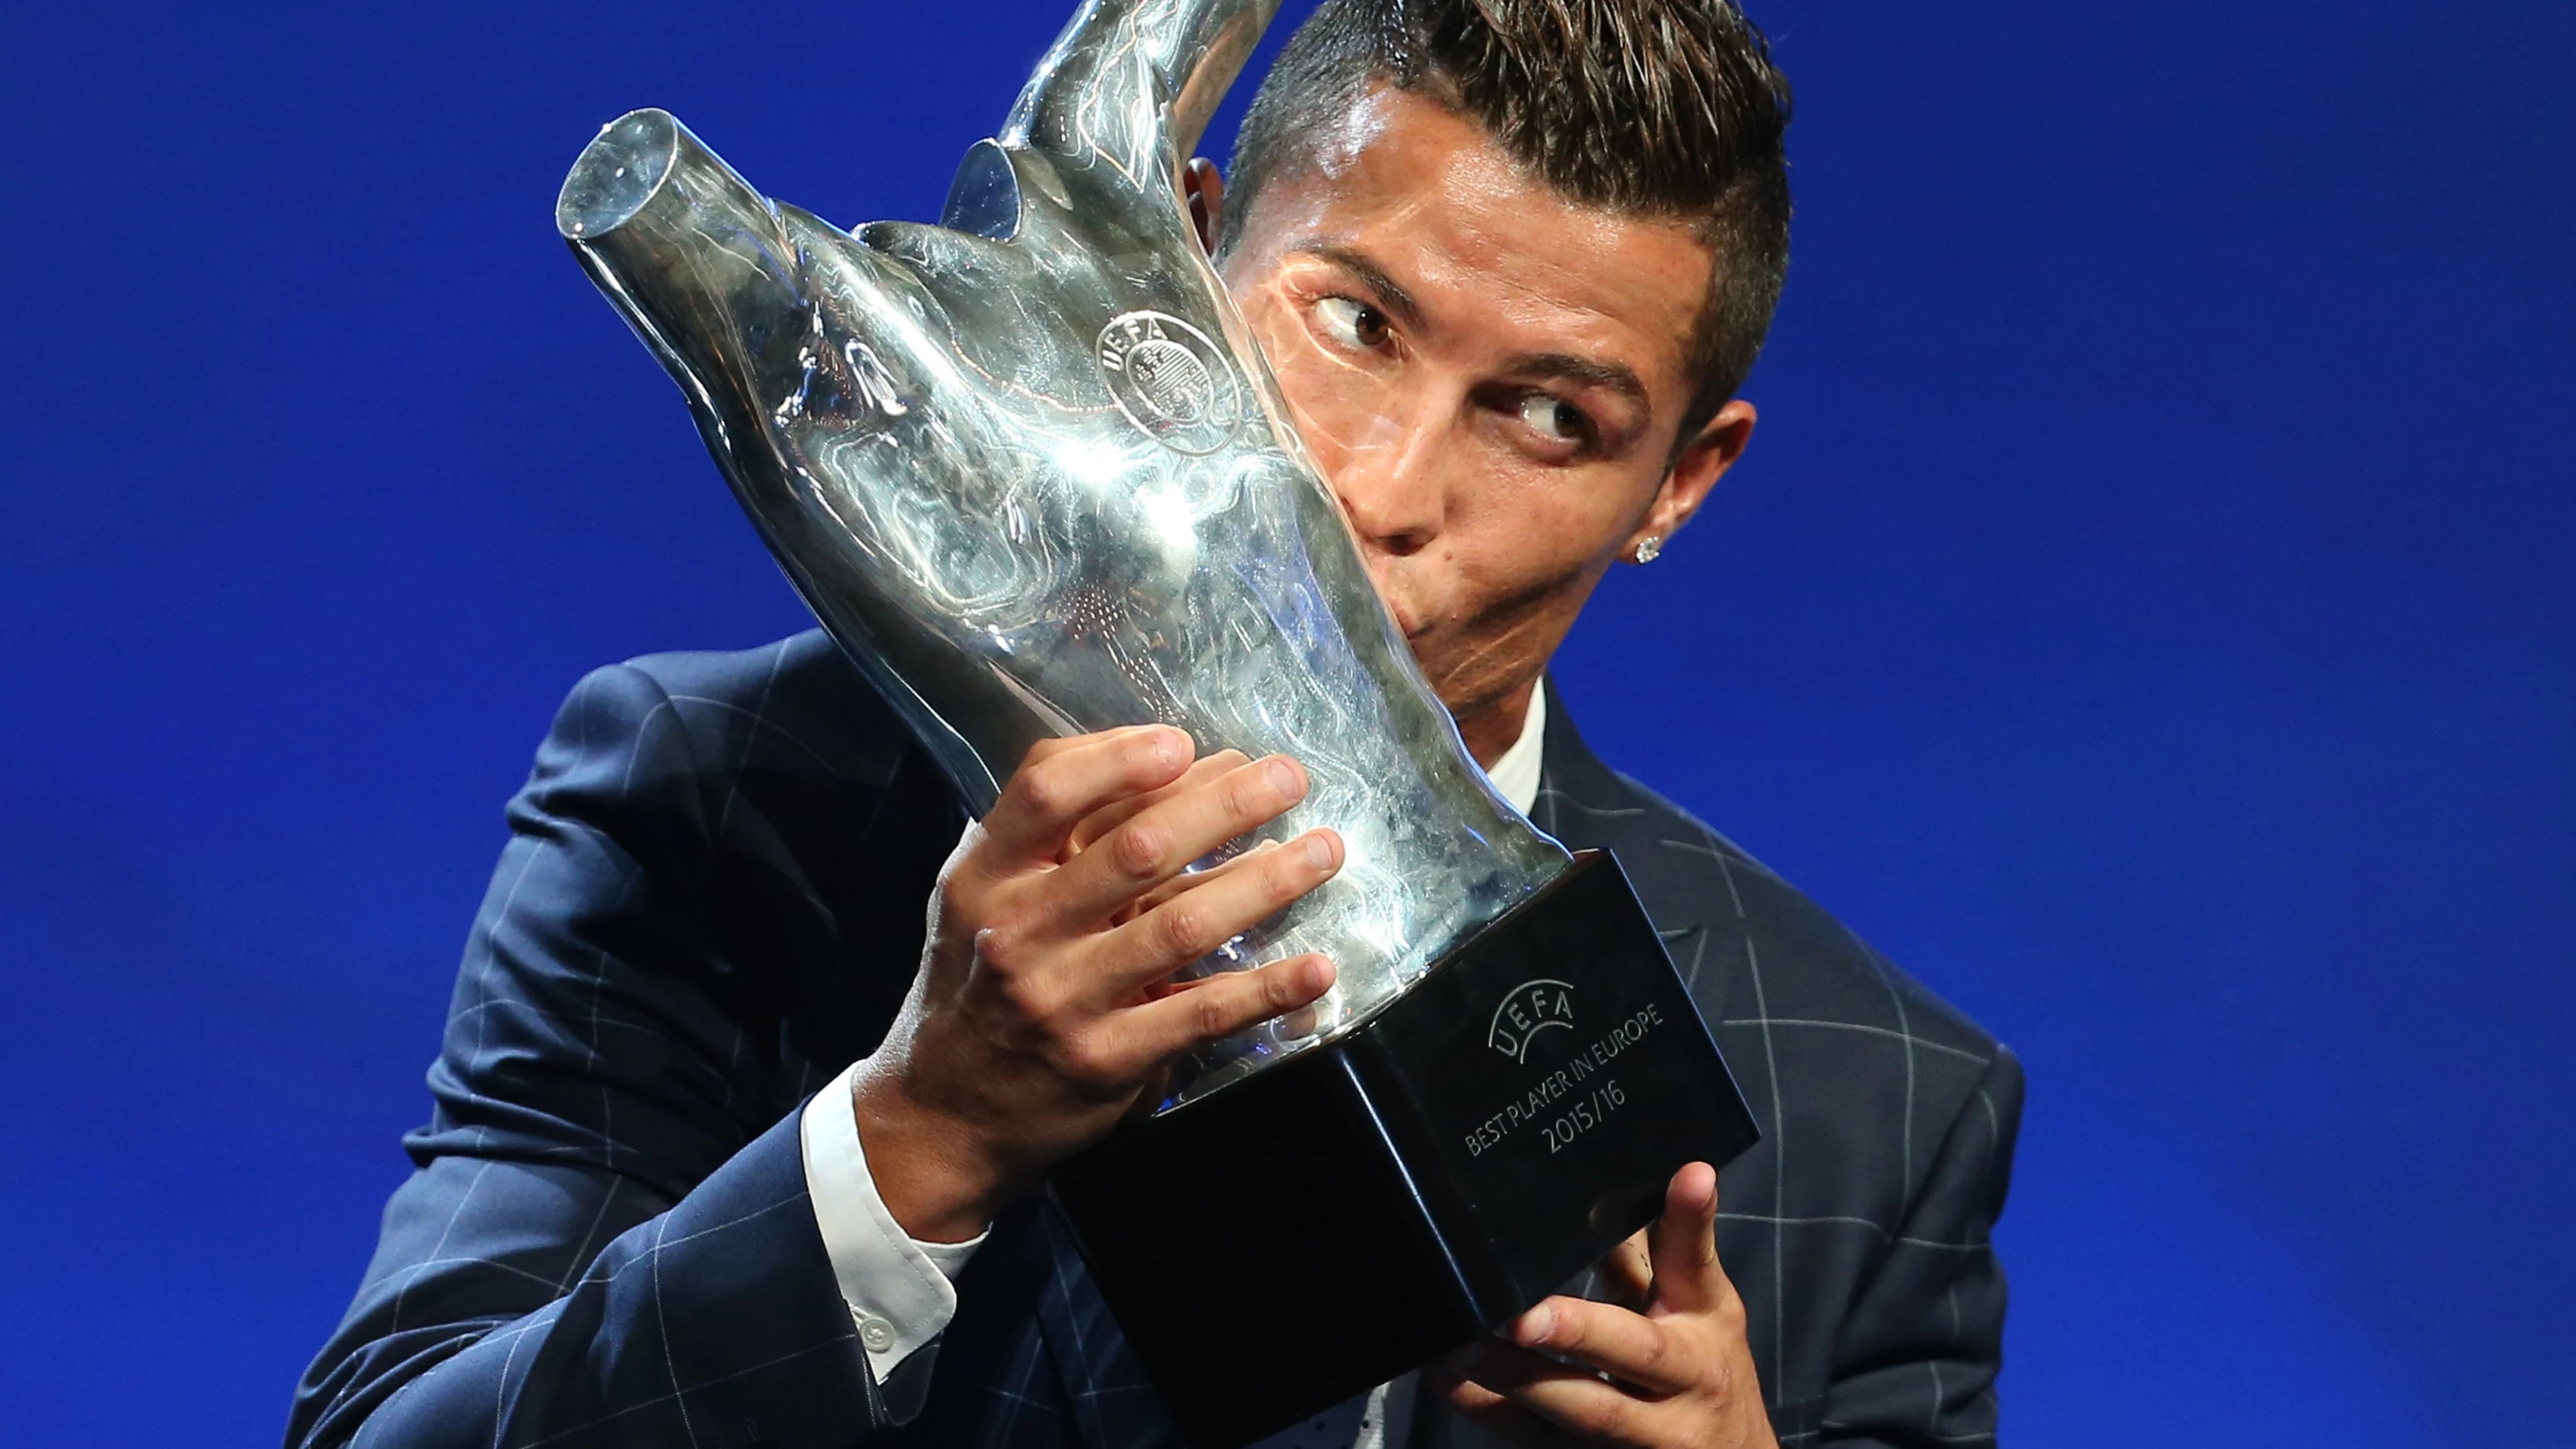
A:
[(1352, 323), (1555, 419)]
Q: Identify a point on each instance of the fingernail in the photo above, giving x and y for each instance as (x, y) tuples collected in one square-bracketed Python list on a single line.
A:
[(1320, 974), (1537, 1323), (1319, 851), (1287, 777)]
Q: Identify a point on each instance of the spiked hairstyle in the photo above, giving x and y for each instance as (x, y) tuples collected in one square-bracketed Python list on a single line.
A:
[(1669, 109)]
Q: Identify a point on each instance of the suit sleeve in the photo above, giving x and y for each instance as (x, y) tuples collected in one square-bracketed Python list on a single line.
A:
[(1918, 1355), (607, 1238)]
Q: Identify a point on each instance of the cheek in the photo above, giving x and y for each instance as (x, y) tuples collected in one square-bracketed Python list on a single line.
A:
[(1342, 409), (1539, 522)]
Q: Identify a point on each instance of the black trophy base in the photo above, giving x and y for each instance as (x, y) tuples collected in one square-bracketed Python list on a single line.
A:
[(1301, 1236)]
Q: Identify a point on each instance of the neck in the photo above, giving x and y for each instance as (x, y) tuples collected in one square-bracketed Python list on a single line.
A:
[(1495, 728)]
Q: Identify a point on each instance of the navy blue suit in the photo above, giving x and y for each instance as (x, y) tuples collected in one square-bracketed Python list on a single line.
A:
[(713, 900)]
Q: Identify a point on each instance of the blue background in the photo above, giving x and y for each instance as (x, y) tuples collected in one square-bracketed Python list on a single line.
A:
[(2145, 612)]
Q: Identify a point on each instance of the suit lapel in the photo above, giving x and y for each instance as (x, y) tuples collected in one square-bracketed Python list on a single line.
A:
[(1679, 869), (1110, 1401)]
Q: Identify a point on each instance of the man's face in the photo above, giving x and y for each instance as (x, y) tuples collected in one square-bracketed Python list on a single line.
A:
[(1491, 377)]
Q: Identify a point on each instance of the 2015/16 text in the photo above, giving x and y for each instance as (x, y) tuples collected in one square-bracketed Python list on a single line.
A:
[(1584, 1115)]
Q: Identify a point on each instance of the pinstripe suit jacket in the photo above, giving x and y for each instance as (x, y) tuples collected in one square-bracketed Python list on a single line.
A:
[(712, 900)]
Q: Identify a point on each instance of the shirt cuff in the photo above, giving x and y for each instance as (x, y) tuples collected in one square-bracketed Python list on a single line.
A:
[(900, 1292)]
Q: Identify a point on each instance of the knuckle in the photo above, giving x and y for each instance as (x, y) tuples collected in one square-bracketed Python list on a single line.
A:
[(1181, 930), (1209, 1018), (1154, 752), (1085, 1063), (1241, 799), (1287, 874), (1138, 850), (1018, 998), (1001, 947), (1009, 917), (1029, 997), (1041, 789)]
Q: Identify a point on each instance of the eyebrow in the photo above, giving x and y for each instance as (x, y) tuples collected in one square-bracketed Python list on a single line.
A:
[(1616, 377), (1357, 263)]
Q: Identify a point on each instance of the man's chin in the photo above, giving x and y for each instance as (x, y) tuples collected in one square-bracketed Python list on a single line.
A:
[(1471, 700)]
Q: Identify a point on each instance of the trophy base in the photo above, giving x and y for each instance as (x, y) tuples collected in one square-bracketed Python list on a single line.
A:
[(1318, 1228)]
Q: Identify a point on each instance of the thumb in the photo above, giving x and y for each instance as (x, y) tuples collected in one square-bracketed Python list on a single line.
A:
[(1683, 1244)]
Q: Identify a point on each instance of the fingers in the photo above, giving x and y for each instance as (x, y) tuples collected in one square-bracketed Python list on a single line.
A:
[(1683, 1244), (1550, 1392), (1627, 1275), (1193, 879), (1202, 770), (1062, 782), (1507, 1420), (1212, 912), (1484, 1381), (1625, 1345), (1218, 1007), (1163, 839)]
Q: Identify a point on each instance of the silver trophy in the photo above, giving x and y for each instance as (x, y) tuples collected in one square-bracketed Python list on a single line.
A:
[(1030, 469)]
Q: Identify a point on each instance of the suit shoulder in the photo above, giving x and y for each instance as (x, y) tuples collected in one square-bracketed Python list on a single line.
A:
[(1813, 967), (799, 672), (794, 707), (788, 727)]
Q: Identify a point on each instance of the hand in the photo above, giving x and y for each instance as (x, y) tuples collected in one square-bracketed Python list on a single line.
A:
[(1044, 1007), (1669, 1370)]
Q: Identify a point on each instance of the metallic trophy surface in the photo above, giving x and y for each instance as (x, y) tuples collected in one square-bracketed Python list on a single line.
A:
[(1032, 472)]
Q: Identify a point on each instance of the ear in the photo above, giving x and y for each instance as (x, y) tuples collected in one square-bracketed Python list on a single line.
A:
[(1694, 475), (1203, 189)]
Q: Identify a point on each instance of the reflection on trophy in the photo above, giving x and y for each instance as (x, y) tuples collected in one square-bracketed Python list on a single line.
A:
[(1030, 470)]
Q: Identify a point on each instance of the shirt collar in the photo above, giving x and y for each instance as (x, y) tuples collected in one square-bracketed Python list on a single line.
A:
[(1515, 775)]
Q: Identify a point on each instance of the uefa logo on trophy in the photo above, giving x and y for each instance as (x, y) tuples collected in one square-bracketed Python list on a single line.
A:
[(1171, 381)]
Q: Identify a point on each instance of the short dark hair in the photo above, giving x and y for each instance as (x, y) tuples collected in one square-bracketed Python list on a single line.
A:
[(1669, 109)]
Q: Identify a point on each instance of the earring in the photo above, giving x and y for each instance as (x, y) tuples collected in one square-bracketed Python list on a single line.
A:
[(1649, 548)]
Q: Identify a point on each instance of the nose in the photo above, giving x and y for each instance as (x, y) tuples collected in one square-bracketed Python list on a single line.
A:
[(1391, 489)]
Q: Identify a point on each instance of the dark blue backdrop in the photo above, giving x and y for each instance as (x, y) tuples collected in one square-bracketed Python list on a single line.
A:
[(2145, 612)]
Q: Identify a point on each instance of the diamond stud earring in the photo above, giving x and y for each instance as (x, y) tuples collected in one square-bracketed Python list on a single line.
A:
[(1649, 548)]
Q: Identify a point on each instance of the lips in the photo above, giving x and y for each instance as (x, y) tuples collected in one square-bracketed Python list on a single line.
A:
[(1404, 620), (1407, 620)]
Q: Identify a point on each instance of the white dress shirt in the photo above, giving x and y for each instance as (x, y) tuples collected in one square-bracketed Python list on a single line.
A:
[(901, 1291)]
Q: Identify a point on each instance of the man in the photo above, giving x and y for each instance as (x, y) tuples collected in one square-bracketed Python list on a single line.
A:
[(734, 1146)]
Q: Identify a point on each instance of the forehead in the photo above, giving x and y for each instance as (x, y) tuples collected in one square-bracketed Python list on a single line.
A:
[(1461, 224)]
